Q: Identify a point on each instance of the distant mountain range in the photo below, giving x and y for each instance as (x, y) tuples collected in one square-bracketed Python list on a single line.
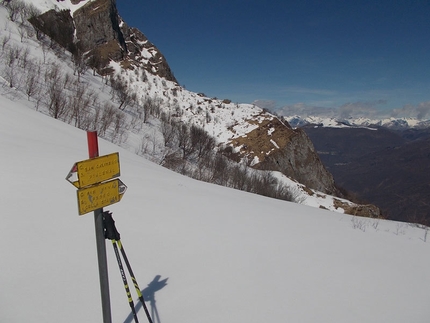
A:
[(385, 162), (338, 122)]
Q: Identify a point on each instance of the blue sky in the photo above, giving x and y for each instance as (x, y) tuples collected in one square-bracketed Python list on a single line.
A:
[(359, 57)]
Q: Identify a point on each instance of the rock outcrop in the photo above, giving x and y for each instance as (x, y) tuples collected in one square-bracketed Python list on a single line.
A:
[(143, 53), (299, 160), (274, 145), (97, 30), (58, 25), (97, 27)]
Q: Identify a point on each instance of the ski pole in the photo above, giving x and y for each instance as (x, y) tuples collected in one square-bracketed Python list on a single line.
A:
[(136, 285), (124, 280), (112, 233)]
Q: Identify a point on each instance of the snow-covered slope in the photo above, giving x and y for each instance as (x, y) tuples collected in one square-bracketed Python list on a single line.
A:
[(228, 255)]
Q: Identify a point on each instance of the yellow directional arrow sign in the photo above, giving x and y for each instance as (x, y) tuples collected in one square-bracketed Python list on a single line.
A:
[(100, 195), (94, 170)]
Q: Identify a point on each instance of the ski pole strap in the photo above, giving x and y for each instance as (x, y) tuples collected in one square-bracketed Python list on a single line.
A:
[(124, 280), (110, 231)]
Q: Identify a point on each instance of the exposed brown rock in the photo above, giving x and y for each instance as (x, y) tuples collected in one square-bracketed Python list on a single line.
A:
[(366, 210), (290, 151), (58, 25), (139, 48), (97, 24), (97, 30)]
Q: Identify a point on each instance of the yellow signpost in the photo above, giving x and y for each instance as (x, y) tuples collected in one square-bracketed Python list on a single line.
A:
[(94, 170), (100, 195), (95, 181), (98, 187)]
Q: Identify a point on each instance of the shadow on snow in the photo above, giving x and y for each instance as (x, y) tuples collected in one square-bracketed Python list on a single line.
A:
[(148, 294)]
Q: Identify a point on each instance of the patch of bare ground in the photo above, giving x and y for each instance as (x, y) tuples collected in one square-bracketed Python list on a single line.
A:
[(270, 135), (366, 210)]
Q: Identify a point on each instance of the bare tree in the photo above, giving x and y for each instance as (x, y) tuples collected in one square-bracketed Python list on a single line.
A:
[(184, 140), (239, 176), (14, 7), (95, 62), (22, 32), (122, 92), (31, 84), (4, 41), (67, 80), (28, 11), (95, 117), (156, 107), (264, 184), (40, 35), (57, 101), (220, 170), (148, 107), (53, 74), (11, 73), (80, 105), (12, 54), (107, 118), (32, 11), (168, 132), (56, 96), (201, 141), (24, 58), (79, 64), (119, 121)]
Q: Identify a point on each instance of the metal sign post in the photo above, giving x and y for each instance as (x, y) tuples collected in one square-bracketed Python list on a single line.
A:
[(98, 187), (93, 152)]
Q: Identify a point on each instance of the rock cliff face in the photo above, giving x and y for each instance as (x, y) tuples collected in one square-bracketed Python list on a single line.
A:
[(58, 25), (97, 30), (299, 160), (274, 145), (142, 53), (97, 27)]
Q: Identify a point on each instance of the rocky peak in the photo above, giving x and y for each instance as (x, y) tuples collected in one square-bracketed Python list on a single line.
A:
[(143, 53), (97, 30)]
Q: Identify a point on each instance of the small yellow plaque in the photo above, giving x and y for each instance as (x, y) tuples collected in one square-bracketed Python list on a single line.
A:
[(100, 195), (94, 170)]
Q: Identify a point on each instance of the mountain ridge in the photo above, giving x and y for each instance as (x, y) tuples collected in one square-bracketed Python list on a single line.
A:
[(358, 122)]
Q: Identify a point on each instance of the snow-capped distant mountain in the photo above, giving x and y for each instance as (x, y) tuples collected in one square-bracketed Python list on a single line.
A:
[(359, 122)]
